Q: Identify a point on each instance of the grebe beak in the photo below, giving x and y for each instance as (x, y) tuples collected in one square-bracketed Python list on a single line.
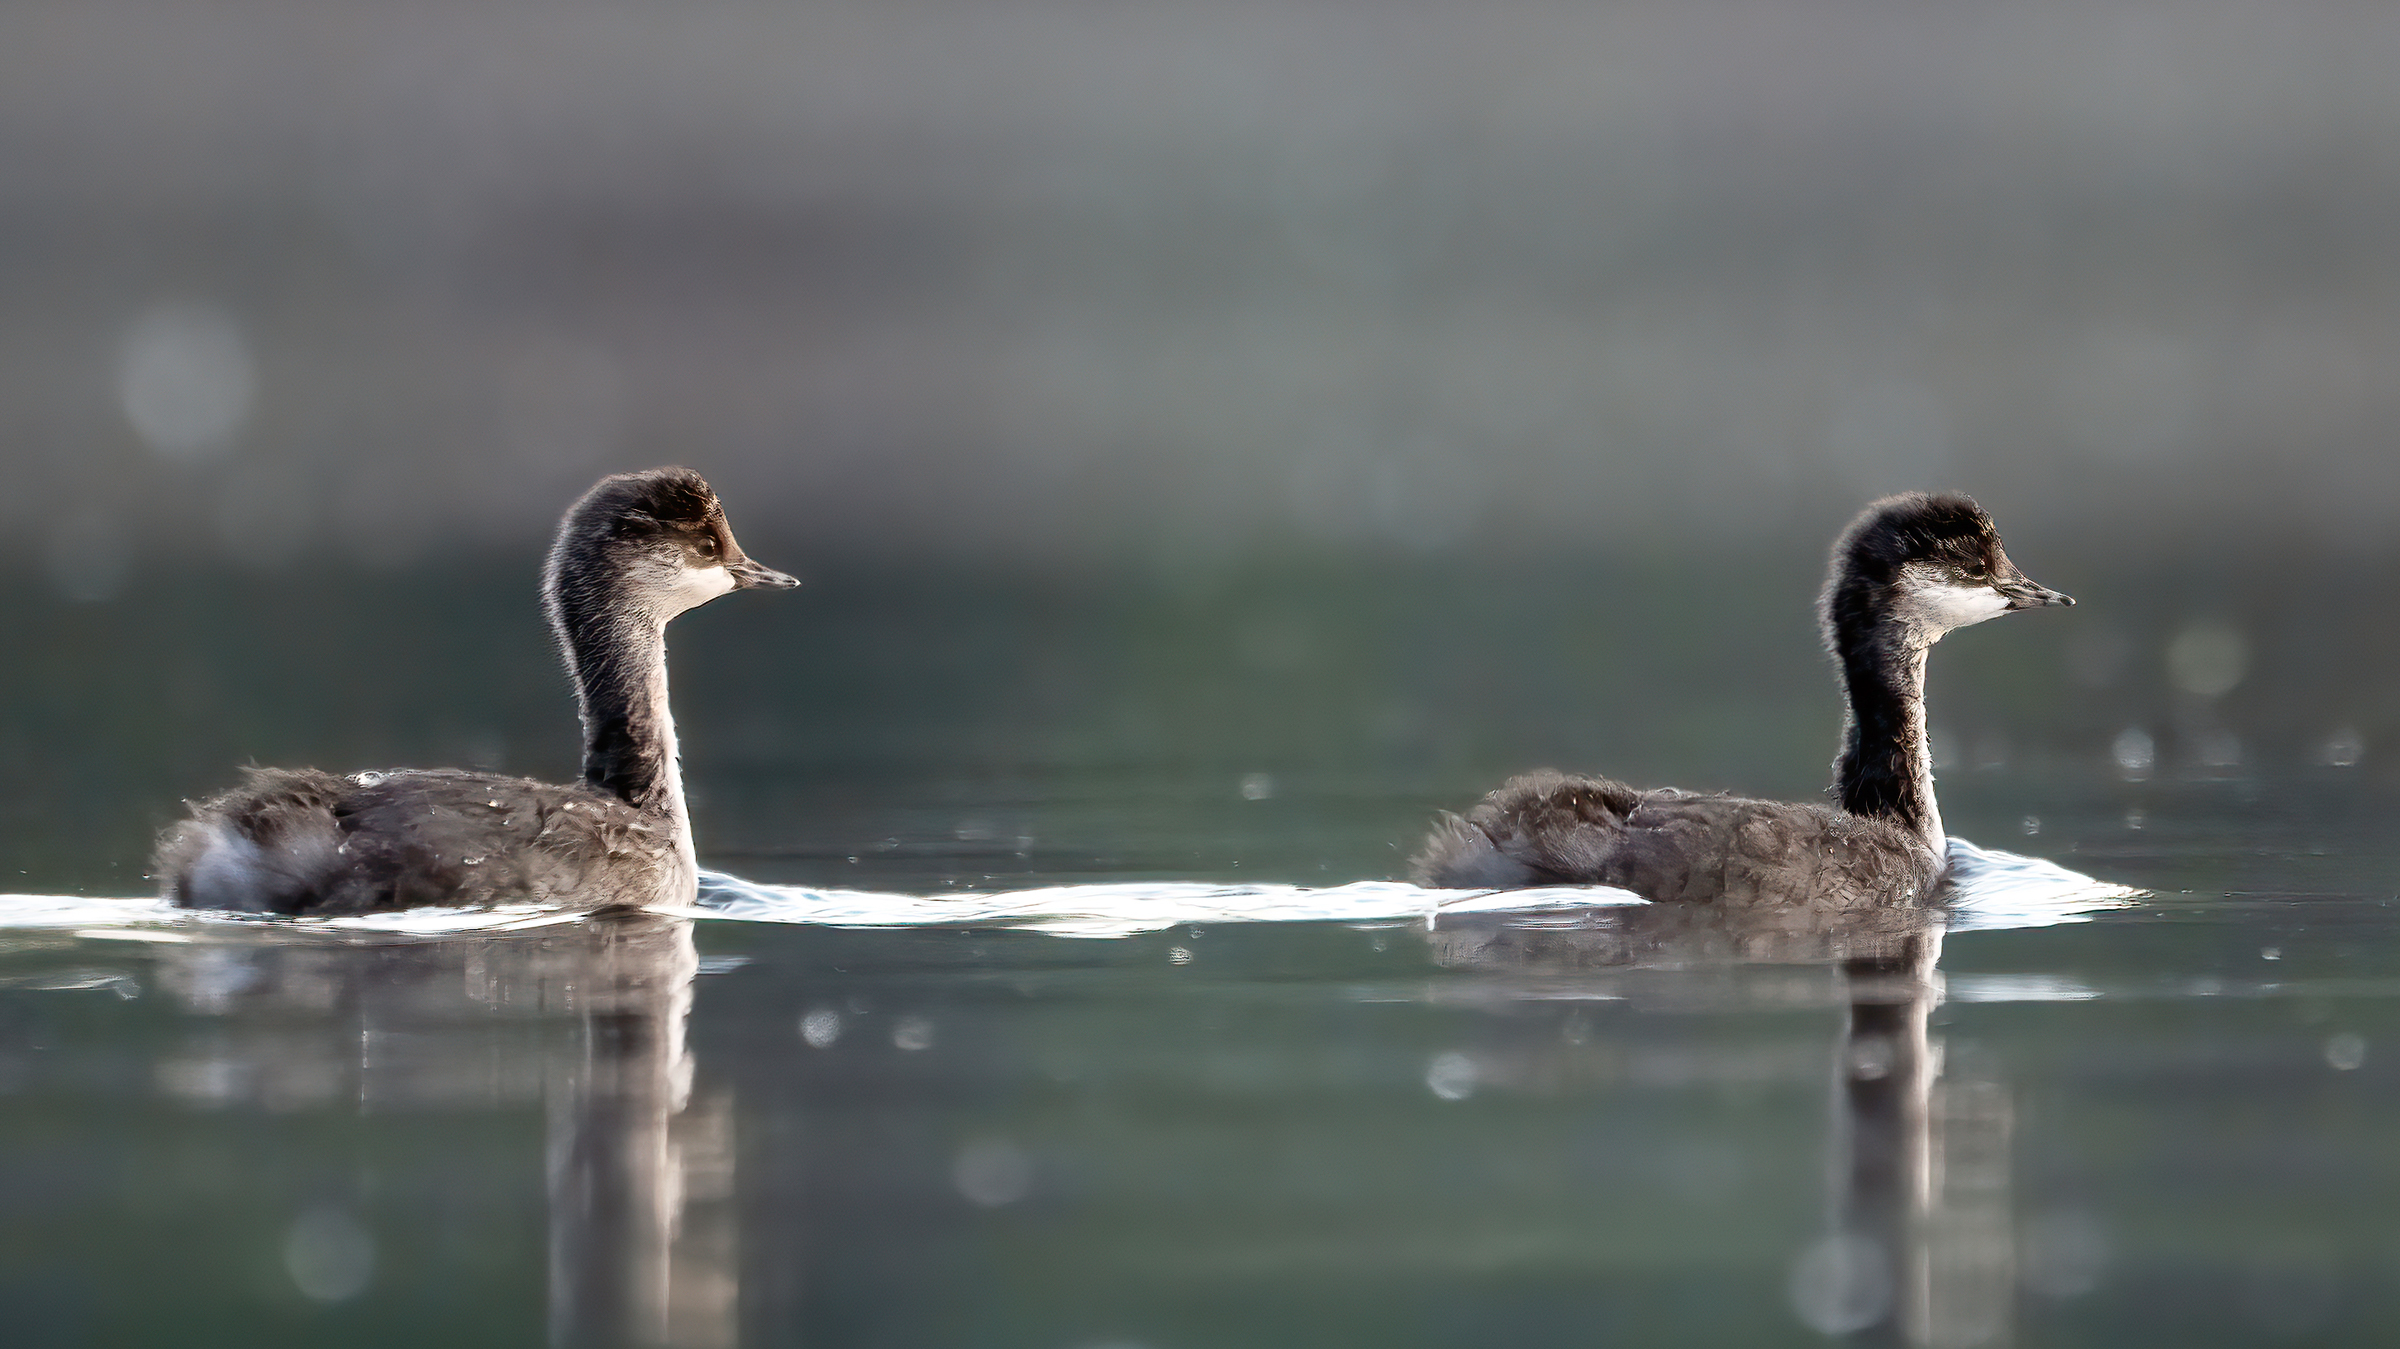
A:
[(748, 575), (2022, 593)]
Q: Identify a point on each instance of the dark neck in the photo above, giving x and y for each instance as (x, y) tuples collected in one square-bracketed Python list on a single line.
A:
[(617, 657), (1886, 768)]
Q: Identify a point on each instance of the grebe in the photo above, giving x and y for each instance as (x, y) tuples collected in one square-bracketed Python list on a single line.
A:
[(1907, 570), (637, 550)]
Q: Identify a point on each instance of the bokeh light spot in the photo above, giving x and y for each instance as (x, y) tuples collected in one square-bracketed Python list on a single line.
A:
[(329, 1256), (992, 1172), (185, 379)]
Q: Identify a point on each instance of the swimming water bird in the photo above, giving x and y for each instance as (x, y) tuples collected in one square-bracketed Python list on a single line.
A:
[(637, 550), (1907, 570)]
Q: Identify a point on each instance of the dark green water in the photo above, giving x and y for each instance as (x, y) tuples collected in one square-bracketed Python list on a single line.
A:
[(2169, 1125)]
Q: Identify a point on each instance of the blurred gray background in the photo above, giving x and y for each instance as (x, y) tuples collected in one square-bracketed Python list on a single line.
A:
[(1396, 393)]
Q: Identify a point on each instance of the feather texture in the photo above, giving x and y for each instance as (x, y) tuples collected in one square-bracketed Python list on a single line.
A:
[(296, 840), (1549, 828)]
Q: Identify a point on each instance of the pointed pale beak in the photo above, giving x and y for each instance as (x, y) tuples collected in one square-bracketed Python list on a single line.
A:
[(748, 575), (2022, 593)]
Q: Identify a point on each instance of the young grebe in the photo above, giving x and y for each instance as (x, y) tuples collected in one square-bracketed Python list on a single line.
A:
[(1907, 570), (637, 550)]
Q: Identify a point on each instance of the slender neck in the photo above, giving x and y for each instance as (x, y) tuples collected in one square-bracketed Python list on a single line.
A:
[(1886, 767), (617, 655)]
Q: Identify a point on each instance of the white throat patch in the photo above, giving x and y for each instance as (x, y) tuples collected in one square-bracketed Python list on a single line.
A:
[(695, 586), (1938, 604)]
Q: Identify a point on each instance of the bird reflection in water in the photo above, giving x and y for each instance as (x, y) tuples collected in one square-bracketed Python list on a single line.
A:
[(1918, 1247), (639, 1169)]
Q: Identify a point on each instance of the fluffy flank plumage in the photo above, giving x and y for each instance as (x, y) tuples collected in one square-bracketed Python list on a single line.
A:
[(1550, 828), (302, 841)]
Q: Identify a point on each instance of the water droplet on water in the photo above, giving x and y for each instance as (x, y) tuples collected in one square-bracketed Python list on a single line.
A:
[(2343, 749), (2270, 953), (913, 1033), (1451, 1076), (821, 1027), (1180, 955), (2031, 824), (2135, 818), (1258, 787), (2134, 750), (991, 1172), (329, 1256), (2346, 1051)]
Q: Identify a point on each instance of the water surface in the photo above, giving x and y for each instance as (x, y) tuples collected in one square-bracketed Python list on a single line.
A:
[(1069, 998), (2097, 1119)]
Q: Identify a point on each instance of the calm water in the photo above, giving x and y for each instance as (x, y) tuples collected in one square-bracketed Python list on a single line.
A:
[(2167, 1122)]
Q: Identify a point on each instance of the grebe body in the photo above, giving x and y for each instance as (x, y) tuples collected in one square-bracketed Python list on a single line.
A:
[(1909, 569), (634, 552)]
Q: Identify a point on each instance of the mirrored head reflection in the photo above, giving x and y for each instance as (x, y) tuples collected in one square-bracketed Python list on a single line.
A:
[(1917, 1245), (584, 1021)]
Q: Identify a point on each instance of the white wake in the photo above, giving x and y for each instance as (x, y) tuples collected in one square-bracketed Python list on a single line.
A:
[(1991, 890)]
